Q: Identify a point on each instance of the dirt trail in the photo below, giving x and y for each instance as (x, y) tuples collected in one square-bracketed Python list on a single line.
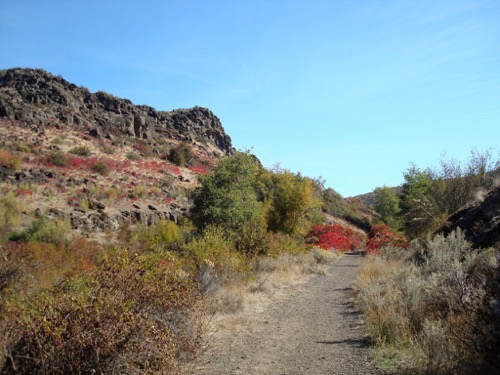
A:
[(313, 329)]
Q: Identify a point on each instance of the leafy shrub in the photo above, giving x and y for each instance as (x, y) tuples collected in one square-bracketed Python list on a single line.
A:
[(111, 193), (227, 197), (101, 168), (139, 191), (181, 154), (133, 156), (430, 196), (57, 158), (59, 140), (80, 151), (387, 206), (23, 147), (44, 230), (291, 199), (107, 149), (119, 312), (434, 316), (334, 237), (281, 243), (10, 213), (10, 159), (252, 238), (214, 247), (381, 235), (164, 235)]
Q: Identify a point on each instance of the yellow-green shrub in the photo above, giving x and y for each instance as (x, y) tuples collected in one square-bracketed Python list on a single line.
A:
[(45, 230), (10, 159), (165, 235), (10, 213)]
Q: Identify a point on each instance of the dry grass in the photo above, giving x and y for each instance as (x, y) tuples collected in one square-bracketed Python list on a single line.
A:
[(434, 317), (234, 303)]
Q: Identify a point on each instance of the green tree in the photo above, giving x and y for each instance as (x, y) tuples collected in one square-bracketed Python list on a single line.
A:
[(387, 206), (418, 206), (227, 197)]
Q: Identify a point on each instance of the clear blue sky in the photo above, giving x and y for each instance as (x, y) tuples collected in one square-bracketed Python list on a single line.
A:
[(352, 91)]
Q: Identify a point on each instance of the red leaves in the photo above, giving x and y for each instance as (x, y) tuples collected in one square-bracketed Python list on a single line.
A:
[(200, 169), (381, 235), (335, 237)]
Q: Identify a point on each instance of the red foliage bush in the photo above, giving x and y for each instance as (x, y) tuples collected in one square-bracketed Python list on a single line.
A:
[(335, 237), (381, 235)]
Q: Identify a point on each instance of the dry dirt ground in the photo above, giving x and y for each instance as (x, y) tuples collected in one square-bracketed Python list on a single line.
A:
[(313, 328)]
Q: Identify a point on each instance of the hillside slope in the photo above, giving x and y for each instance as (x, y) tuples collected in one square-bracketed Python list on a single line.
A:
[(98, 161)]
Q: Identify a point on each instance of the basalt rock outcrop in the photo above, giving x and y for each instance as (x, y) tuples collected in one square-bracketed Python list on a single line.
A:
[(37, 98), (480, 223)]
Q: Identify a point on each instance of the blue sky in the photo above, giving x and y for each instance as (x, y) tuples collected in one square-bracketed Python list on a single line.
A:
[(352, 91)]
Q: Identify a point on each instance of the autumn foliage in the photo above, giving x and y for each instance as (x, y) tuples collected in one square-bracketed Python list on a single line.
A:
[(335, 237), (381, 235)]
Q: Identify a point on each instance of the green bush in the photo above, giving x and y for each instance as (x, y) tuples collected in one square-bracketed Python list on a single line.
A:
[(252, 238), (281, 243), (292, 200), (57, 158), (181, 154), (23, 147), (164, 235), (133, 156), (101, 168), (10, 214), (227, 197), (80, 151), (215, 248), (44, 230)]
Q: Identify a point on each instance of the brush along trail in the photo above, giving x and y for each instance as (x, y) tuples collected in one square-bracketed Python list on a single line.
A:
[(312, 329)]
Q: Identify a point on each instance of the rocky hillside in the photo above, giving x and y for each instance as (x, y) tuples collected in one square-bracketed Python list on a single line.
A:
[(37, 98), (97, 162), (480, 223)]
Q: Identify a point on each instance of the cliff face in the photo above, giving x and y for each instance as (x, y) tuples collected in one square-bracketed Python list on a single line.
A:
[(95, 160), (37, 98), (480, 223)]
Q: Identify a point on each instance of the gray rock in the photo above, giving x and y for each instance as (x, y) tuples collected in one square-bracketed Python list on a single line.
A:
[(40, 99)]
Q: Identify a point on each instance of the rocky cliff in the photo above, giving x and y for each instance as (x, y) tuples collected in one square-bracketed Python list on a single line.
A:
[(98, 161), (480, 223), (38, 98)]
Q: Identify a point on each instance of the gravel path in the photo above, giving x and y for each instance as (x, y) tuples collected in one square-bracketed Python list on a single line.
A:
[(314, 329)]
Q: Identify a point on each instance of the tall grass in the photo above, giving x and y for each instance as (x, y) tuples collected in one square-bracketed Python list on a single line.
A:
[(434, 313)]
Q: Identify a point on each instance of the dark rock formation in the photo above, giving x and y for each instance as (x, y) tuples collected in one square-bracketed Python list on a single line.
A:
[(38, 99), (480, 223)]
